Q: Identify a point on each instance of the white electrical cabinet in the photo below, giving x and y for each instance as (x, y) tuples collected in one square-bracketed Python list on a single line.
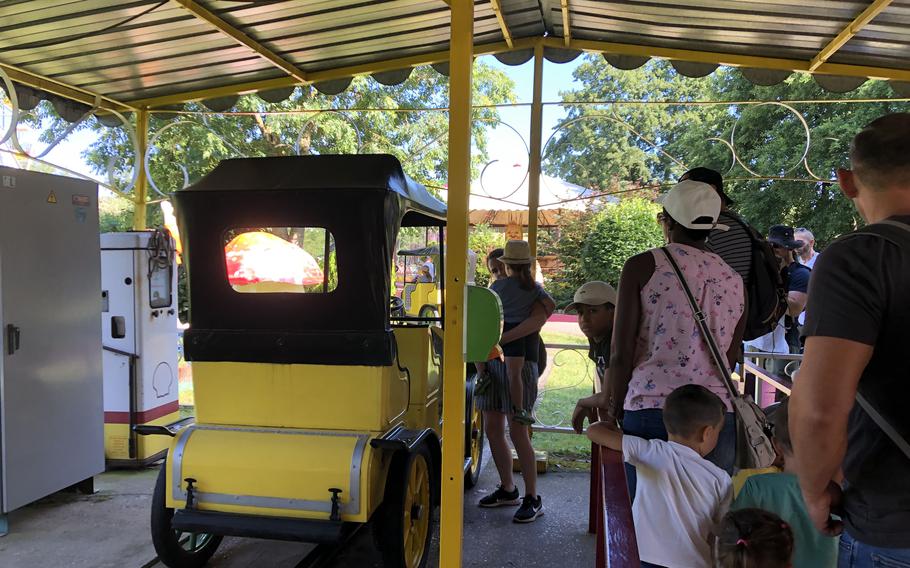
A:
[(139, 334), (51, 413)]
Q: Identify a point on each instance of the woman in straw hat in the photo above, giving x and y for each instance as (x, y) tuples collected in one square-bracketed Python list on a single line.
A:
[(518, 293), (497, 403)]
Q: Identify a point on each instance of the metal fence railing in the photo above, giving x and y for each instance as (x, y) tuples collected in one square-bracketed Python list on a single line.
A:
[(559, 421), (616, 543), (757, 364)]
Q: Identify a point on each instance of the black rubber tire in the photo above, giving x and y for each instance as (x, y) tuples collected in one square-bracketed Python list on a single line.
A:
[(396, 307), (428, 311), (388, 521), (167, 541), (472, 475)]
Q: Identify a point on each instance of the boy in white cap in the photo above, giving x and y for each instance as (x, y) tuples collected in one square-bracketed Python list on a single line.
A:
[(595, 304)]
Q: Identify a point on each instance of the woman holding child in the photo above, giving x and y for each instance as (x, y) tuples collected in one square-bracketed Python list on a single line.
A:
[(501, 402), (657, 345)]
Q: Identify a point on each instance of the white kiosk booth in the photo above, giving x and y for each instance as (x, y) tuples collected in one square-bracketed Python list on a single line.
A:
[(139, 333)]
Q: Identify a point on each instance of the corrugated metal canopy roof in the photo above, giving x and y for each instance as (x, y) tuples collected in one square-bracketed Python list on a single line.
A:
[(156, 52)]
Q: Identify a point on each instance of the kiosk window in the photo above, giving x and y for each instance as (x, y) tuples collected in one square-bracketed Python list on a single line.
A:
[(160, 293), (281, 260)]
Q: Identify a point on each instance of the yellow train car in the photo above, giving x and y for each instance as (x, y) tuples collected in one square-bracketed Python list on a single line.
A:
[(318, 404), (420, 294)]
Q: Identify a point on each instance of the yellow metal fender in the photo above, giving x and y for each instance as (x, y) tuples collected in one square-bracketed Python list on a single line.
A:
[(280, 472)]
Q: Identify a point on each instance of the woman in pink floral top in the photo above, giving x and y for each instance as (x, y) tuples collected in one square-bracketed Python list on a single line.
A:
[(657, 345), (669, 349)]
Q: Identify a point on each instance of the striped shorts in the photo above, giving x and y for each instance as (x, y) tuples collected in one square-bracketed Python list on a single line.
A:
[(497, 398)]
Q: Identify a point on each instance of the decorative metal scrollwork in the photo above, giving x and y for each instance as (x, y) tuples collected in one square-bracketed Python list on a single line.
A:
[(11, 137), (802, 159), (123, 181), (561, 416)]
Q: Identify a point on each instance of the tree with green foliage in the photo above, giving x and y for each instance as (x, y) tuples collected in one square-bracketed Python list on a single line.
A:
[(623, 146), (114, 213), (596, 245), (187, 146), (482, 239)]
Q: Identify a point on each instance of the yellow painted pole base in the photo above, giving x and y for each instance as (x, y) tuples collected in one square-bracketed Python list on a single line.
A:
[(539, 455)]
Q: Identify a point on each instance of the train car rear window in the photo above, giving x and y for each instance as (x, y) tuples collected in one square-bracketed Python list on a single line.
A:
[(297, 260)]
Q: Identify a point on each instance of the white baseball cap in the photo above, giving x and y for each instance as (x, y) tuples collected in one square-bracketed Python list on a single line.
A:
[(690, 200), (593, 293)]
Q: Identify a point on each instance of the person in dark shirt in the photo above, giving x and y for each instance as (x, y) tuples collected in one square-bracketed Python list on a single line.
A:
[(733, 245), (595, 303), (785, 245), (857, 334), (496, 405), (784, 338)]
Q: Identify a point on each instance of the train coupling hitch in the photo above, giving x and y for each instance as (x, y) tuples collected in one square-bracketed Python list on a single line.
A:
[(336, 504)]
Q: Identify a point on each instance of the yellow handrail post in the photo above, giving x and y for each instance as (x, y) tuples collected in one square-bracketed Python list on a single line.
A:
[(535, 156), (140, 193), (451, 516)]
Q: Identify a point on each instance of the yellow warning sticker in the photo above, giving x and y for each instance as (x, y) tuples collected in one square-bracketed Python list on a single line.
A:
[(52, 197)]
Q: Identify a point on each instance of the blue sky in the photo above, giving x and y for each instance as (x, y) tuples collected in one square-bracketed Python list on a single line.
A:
[(556, 77), (503, 142)]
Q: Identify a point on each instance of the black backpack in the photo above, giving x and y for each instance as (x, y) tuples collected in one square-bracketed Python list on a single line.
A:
[(766, 289)]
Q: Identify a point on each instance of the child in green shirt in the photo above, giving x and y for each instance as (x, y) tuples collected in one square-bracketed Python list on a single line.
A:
[(779, 493)]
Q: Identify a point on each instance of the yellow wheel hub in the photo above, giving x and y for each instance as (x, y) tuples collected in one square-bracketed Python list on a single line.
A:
[(476, 447), (416, 511)]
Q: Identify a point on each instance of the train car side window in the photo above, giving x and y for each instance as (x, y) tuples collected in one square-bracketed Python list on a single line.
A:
[(297, 260)]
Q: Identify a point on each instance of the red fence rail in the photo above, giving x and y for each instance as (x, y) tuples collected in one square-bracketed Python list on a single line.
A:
[(611, 511)]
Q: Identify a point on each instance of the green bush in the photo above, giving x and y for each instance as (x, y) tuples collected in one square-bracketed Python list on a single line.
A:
[(596, 245), (482, 239)]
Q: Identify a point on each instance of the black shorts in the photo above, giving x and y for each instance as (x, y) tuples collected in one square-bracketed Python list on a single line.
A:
[(526, 346)]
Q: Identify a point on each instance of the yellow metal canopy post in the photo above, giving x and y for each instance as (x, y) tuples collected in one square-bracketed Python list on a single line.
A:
[(451, 517), (848, 32), (140, 192), (535, 155)]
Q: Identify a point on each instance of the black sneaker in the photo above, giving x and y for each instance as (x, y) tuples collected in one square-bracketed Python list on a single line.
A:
[(531, 508), (500, 498)]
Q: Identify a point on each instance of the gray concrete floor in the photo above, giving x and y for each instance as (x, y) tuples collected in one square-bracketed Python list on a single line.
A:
[(110, 529)]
